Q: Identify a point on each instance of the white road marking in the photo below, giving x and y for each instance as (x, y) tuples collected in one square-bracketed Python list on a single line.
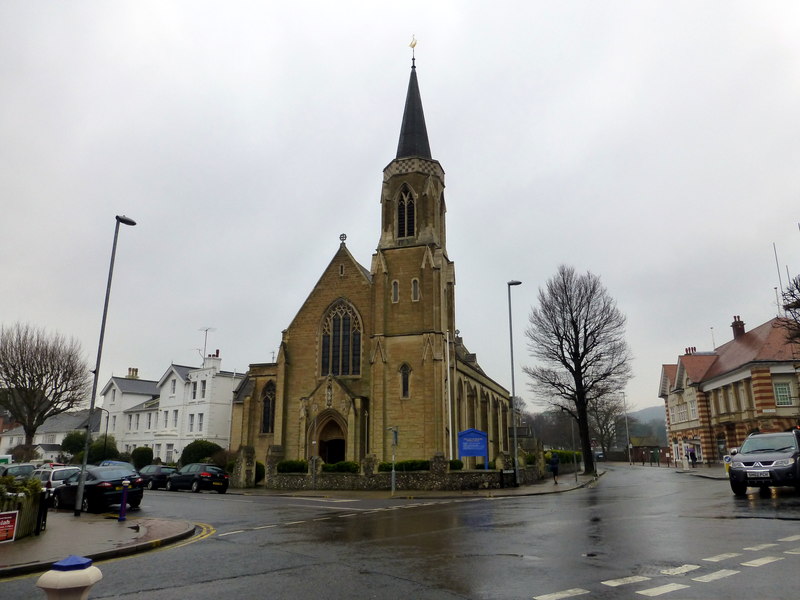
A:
[(317, 507), (565, 594), (350, 515), (323, 519), (760, 547), (266, 526), (663, 589), (715, 575), (625, 580), (294, 522), (330, 500), (791, 538), (760, 562), (231, 533), (721, 557), (680, 570), (793, 551)]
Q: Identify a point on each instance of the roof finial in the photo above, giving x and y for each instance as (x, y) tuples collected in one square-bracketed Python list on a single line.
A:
[(413, 45)]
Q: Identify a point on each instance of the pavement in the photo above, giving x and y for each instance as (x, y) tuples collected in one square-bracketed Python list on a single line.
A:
[(101, 537)]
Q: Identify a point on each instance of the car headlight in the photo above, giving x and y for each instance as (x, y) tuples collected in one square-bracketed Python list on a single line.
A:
[(737, 464), (783, 462)]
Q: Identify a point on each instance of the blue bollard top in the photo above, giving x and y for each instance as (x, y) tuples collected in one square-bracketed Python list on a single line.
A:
[(72, 563)]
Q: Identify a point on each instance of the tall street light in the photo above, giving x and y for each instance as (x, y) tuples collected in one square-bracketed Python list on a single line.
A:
[(79, 496), (513, 402)]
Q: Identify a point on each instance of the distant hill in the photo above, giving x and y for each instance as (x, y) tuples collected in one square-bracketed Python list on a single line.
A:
[(651, 413)]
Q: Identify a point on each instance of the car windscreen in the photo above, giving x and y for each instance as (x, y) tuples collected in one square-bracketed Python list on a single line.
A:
[(784, 442), (112, 473)]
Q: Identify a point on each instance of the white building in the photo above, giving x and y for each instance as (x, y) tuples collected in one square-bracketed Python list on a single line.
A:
[(186, 404), (49, 436)]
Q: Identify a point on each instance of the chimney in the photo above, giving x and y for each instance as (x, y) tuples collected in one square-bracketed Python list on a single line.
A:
[(133, 373), (738, 327), (212, 361)]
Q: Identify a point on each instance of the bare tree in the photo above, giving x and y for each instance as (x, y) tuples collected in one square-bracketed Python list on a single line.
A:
[(604, 415), (791, 304), (578, 335), (40, 375)]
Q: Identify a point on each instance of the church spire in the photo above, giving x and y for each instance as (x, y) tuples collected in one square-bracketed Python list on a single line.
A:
[(413, 133)]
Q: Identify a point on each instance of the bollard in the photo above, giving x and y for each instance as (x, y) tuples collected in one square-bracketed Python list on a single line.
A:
[(123, 506), (70, 579)]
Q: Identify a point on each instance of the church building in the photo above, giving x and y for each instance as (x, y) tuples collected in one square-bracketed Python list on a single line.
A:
[(374, 351)]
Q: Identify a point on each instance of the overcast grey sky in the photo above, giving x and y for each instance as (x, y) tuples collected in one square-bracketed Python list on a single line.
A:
[(655, 144)]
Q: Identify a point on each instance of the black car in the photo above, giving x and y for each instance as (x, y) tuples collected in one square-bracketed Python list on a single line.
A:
[(199, 476), (155, 476), (103, 487), (766, 460)]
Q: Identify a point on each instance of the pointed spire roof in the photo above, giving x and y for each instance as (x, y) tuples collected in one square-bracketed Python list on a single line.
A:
[(413, 133)]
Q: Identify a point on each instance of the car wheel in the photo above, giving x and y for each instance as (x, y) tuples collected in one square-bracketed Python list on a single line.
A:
[(56, 502), (169, 486), (150, 485), (135, 504), (738, 488), (195, 486)]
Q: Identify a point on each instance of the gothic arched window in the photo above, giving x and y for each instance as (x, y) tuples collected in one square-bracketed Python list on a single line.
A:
[(405, 381), (268, 408), (341, 341), (406, 214)]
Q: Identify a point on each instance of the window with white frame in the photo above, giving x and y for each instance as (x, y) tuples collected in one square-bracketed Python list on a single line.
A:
[(175, 418), (692, 409), (130, 421), (166, 418), (191, 423), (194, 390), (137, 422), (203, 388), (114, 423), (172, 387), (783, 394), (149, 420), (199, 421)]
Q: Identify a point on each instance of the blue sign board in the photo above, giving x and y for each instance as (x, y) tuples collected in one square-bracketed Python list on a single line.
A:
[(472, 442)]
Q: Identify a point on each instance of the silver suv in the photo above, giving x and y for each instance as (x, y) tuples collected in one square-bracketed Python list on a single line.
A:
[(54, 477), (766, 460)]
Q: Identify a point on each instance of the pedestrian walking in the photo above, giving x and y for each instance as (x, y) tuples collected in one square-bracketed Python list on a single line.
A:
[(554, 467)]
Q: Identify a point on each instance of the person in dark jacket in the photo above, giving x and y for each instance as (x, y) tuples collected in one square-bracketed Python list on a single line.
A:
[(554, 467)]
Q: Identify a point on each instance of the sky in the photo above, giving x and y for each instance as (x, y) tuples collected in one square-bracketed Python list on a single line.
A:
[(655, 144)]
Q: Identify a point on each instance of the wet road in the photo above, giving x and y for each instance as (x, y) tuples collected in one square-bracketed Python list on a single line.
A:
[(639, 532)]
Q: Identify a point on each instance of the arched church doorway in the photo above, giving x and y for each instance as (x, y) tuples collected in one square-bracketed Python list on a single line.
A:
[(332, 446)]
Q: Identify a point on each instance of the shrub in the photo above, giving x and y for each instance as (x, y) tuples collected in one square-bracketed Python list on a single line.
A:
[(346, 466), (491, 465), (293, 466), (456, 465), (141, 456), (406, 465), (199, 451), (11, 485), (261, 472)]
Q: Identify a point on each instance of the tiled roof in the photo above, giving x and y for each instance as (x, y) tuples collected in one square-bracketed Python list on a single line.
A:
[(144, 387), (697, 365), (767, 342)]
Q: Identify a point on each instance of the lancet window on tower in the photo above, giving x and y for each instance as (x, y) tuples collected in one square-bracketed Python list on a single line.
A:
[(406, 214), (341, 342), (405, 381), (268, 408)]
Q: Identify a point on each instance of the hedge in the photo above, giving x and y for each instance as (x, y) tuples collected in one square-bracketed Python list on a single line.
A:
[(292, 466), (346, 466), (406, 465)]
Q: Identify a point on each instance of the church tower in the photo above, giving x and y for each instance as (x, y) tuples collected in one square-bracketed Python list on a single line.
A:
[(413, 294)]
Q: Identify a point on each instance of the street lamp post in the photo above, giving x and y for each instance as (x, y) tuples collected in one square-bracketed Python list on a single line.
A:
[(105, 439), (79, 495), (513, 402)]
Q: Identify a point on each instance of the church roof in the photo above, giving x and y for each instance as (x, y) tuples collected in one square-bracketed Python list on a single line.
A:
[(413, 133)]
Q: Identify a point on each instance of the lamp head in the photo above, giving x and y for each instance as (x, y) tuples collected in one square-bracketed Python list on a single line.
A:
[(125, 220), (514, 282)]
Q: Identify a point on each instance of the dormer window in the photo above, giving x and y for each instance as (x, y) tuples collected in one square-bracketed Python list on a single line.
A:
[(406, 214)]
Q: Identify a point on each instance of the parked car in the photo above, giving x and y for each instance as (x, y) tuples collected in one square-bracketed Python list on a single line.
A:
[(117, 463), (766, 460), (155, 476), (17, 470), (103, 487), (52, 478), (198, 476)]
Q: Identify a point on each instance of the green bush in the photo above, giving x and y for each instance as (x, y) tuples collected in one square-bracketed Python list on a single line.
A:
[(261, 472), (11, 485), (406, 465), (141, 457), (456, 465), (346, 466), (199, 451), (491, 465), (565, 457), (293, 466)]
